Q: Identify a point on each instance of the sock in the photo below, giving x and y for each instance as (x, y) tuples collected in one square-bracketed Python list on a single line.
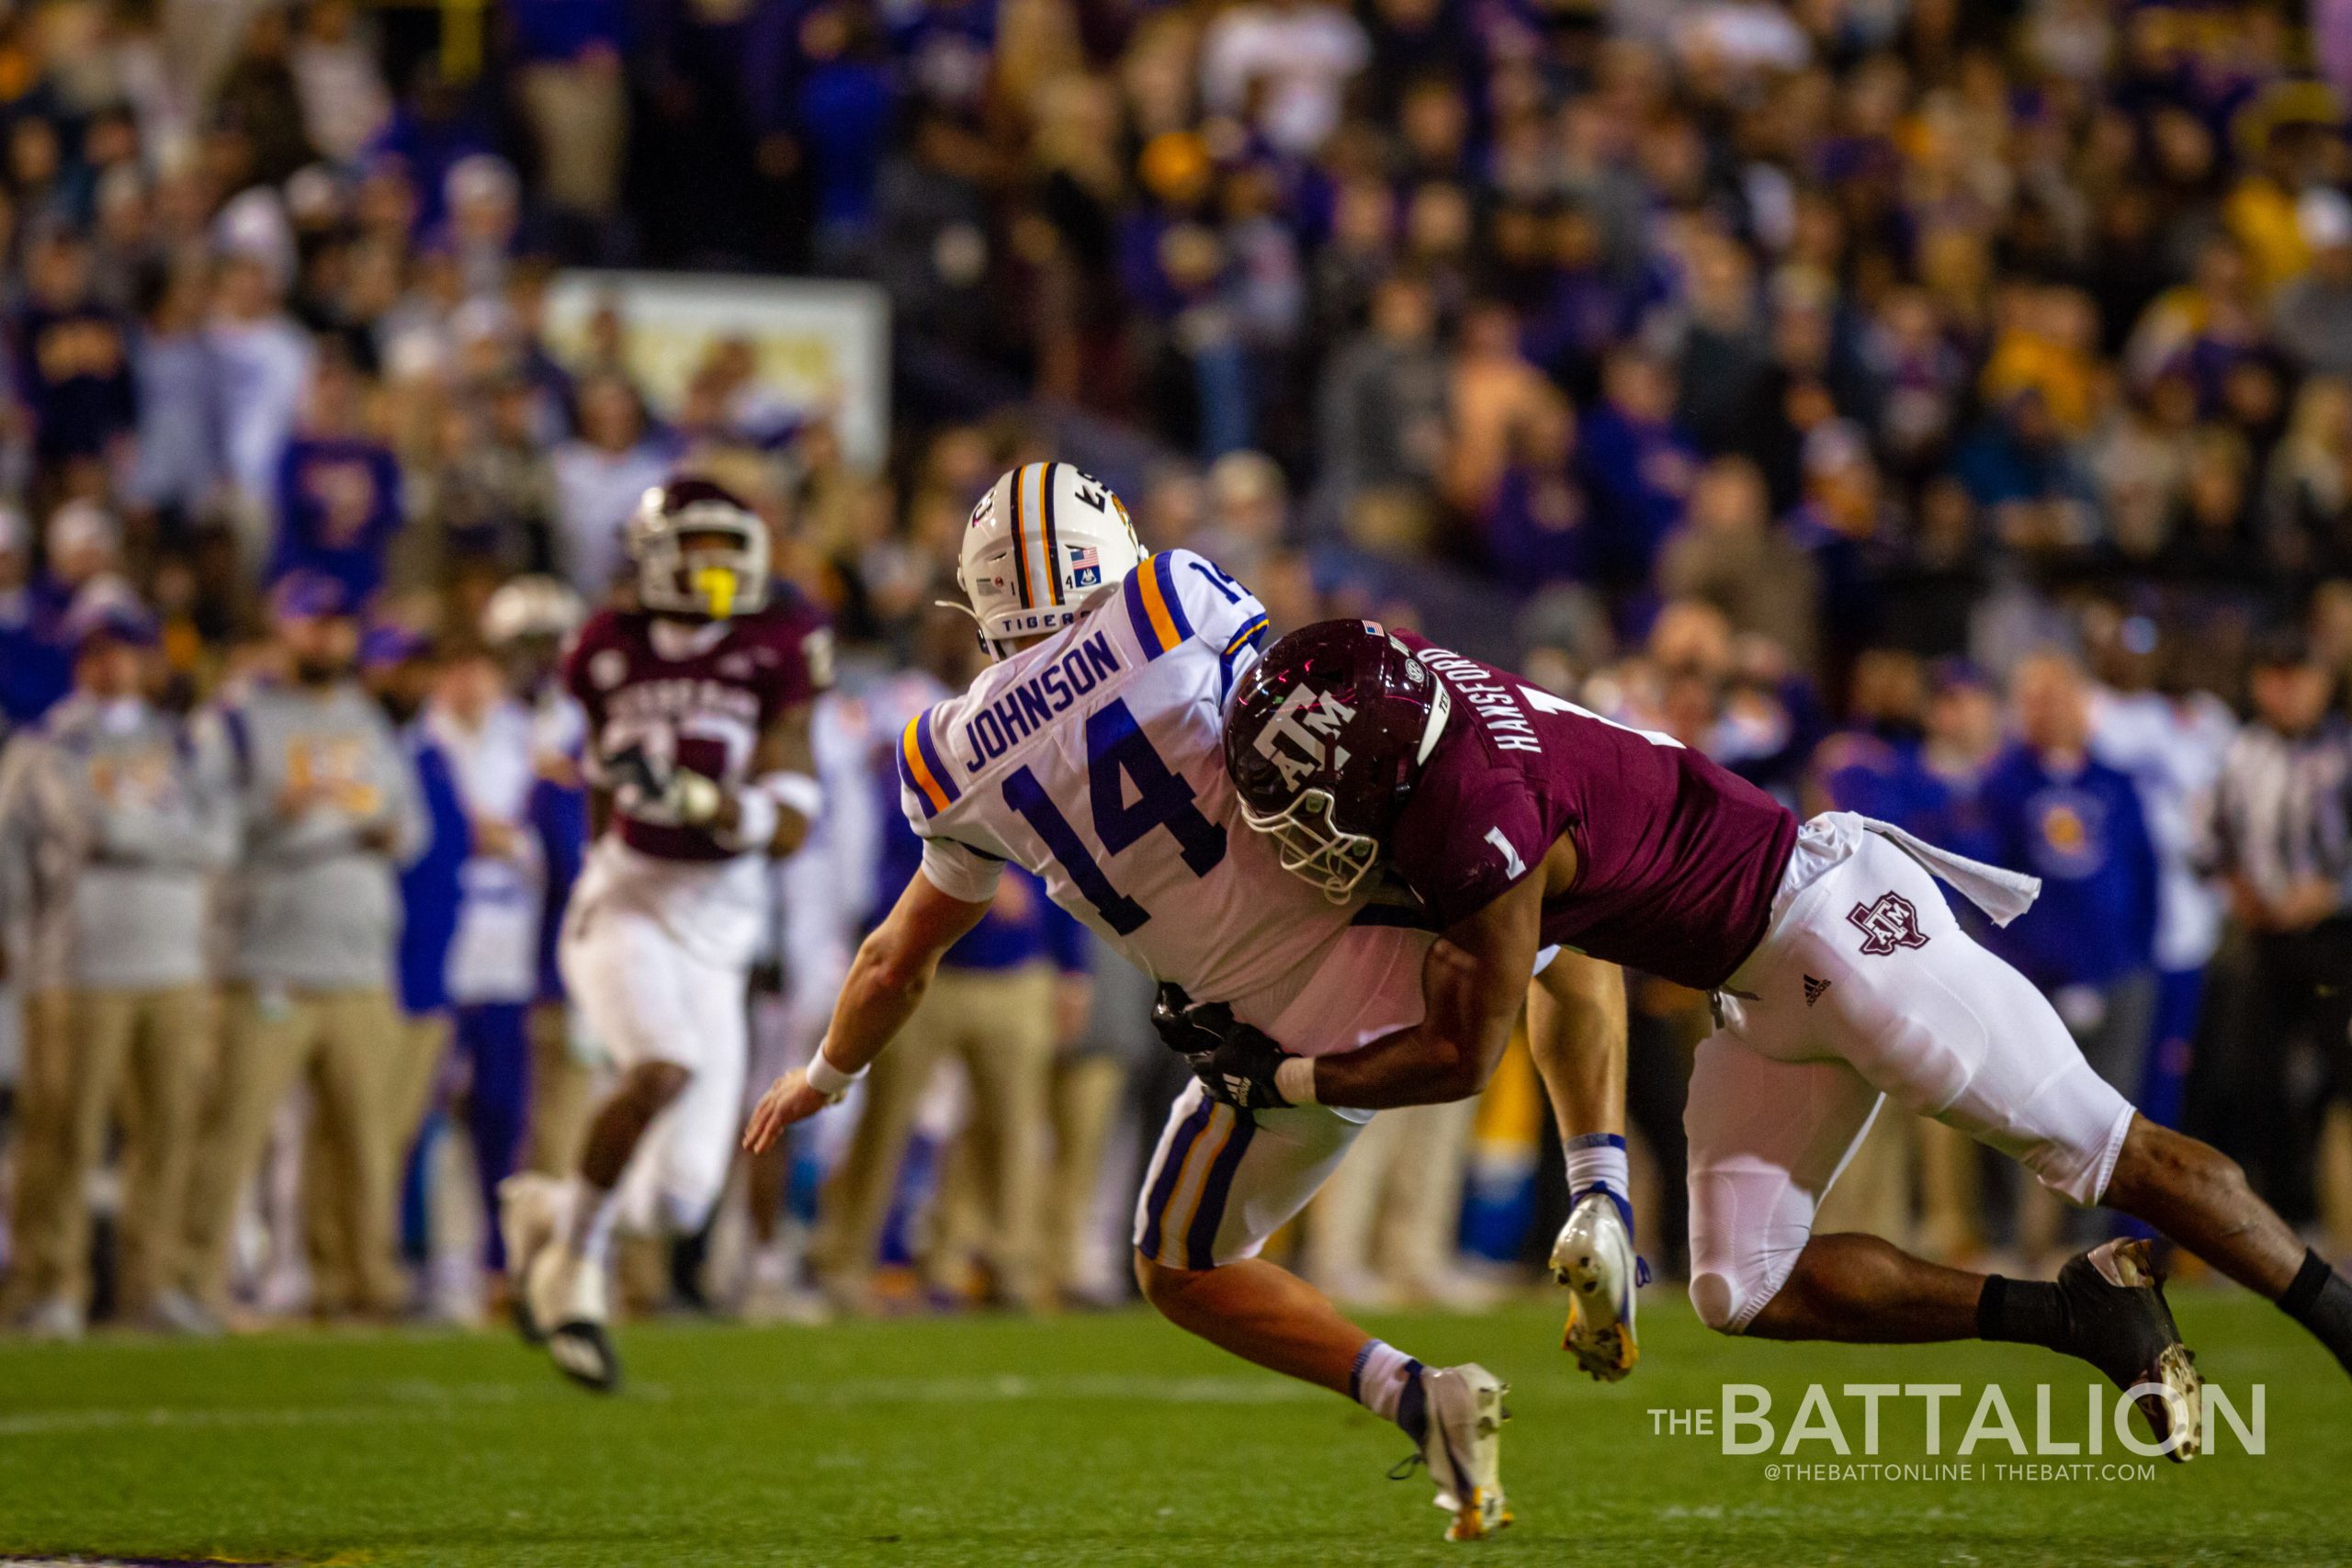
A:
[(1598, 1159), (2021, 1312), (2320, 1300), (1387, 1382), (592, 1210)]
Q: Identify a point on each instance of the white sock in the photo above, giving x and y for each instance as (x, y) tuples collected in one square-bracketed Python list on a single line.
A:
[(1382, 1379), (1598, 1159), (591, 1230)]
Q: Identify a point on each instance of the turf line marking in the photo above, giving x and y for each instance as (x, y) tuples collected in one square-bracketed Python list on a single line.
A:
[(408, 1401)]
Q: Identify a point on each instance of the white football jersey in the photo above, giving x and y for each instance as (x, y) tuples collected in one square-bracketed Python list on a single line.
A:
[(1096, 758)]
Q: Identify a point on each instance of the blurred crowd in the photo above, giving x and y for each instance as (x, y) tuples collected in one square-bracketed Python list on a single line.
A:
[(1938, 411)]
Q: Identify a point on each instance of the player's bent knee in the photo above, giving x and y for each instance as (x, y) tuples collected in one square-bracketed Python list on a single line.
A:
[(2156, 1162), (1163, 1286), (656, 1083), (1717, 1299)]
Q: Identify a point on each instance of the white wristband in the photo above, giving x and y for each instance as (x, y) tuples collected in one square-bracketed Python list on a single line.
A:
[(828, 1079), (763, 802), (1295, 1079), (755, 817), (794, 791)]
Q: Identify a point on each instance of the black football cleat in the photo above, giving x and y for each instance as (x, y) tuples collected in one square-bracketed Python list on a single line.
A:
[(2118, 1321), (582, 1351)]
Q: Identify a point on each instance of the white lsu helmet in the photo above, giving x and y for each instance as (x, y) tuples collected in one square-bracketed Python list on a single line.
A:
[(1041, 541), (537, 606)]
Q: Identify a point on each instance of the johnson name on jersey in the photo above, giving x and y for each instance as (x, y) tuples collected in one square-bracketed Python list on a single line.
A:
[(1095, 760), (693, 694)]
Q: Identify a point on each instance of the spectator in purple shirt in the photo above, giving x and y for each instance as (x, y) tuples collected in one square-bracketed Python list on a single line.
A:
[(1638, 464), (338, 489), (72, 355)]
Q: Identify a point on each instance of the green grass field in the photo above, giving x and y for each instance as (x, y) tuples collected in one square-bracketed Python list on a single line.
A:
[(1085, 1440)]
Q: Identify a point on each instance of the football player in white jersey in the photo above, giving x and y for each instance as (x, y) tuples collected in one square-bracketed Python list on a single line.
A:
[(1089, 753)]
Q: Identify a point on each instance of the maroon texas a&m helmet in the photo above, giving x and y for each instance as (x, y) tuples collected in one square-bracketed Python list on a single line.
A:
[(1324, 738)]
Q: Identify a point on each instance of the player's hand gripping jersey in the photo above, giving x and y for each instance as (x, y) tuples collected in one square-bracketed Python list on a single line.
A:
[(1095, 760)]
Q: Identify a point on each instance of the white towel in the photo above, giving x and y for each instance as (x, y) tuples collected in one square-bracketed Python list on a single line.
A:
[(2002, 894)]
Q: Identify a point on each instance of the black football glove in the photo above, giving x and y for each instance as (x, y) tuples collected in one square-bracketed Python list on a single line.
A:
[(634, 775), (1236, 1061)]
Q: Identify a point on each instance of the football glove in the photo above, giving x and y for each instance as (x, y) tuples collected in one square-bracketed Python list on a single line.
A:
[(1236, 1061), (647, 789)]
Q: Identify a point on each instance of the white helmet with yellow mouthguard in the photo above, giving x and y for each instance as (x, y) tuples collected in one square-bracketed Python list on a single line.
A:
[(700, 553)]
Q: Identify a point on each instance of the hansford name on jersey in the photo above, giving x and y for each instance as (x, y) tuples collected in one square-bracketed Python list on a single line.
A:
[(1013, 717), (1497, 709)]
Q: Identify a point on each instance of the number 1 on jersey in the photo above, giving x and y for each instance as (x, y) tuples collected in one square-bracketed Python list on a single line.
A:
[(1118, 753)]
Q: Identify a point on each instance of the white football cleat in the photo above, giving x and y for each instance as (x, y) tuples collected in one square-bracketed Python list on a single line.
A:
[(1594, 1258), (566, 1294), (1463, 1446), (530, 1213)]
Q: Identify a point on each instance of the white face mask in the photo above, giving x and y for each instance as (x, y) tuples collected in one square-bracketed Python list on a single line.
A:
[(1311, 845)]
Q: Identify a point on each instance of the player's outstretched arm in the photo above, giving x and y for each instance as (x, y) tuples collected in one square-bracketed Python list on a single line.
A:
[(887, 982), (1472, 986)]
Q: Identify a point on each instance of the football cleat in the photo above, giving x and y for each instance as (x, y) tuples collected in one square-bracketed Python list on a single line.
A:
[(530, 1213), (566, 1295), (1594, 1258), (2118, 1321), (1463, 1448)]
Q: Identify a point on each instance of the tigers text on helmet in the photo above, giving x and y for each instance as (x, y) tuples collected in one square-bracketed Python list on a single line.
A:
[(726, 574), (1325, 739), (1042, 540)]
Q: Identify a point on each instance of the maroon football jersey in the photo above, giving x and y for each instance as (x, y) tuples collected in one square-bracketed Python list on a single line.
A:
[(694, 695), (1677, 858)]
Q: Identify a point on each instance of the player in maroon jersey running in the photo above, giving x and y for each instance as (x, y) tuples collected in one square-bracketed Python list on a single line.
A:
[(696, 701), (1840, 977)]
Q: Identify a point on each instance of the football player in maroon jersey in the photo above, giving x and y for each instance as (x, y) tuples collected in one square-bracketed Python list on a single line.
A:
[(1840, 977), (697, 701)]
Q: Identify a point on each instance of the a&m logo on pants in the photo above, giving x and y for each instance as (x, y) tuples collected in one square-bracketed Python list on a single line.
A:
[(1890, 923)]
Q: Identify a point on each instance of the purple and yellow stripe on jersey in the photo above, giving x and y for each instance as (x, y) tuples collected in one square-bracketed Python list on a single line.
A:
[(1156, 608), (921, 768), (1248, 635), (1187, 1200)]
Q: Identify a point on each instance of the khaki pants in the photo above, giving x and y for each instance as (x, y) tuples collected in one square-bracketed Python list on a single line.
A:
[(580, 120), (1086, 1089), (999, 1025), (144, 1051), (345, 1043), (1391, 1211), (44, 1106), (562, 1094), (421, 1043)]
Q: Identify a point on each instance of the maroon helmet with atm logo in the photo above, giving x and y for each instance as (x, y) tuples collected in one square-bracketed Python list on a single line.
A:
[(1324, 738)]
